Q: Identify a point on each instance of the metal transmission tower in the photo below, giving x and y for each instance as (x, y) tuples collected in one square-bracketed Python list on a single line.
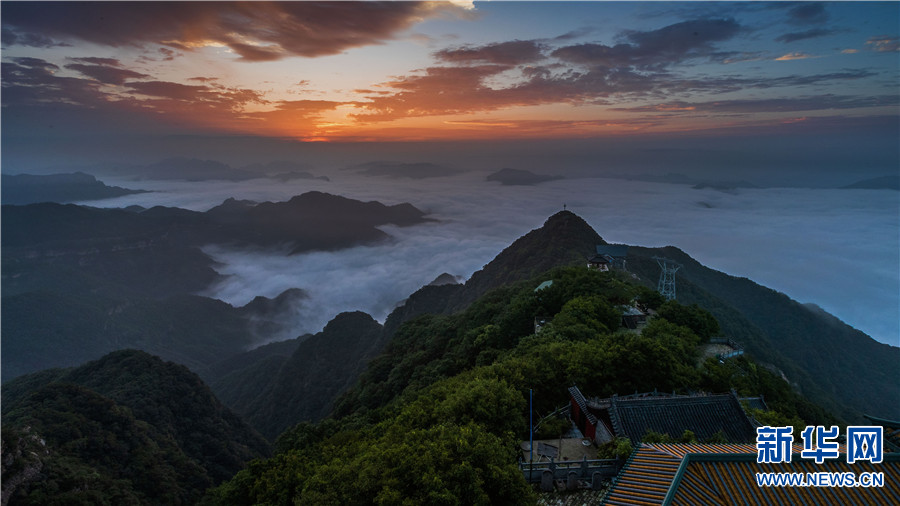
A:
[(666, 286)]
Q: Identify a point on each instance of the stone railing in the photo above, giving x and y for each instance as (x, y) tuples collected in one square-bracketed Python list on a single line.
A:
[(595, 472)]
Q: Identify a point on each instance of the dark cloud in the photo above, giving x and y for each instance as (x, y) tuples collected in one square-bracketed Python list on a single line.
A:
[(174, 91), (256, 31), (503, 53), (32, 81), (40, 105), (10, 38), (168, 54), (35, 96), (808, 13), (884, 43), (202, 105), (252, 52), (563, 128), (575, 34), (106, 73), (685, 37), (808, 34), (736, 83), (457, 90), (91, 60), (35, 63), (633, 67), (814, 103), (657, 48)]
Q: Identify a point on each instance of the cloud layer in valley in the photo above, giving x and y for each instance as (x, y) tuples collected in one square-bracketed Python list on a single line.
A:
[(835, 248)]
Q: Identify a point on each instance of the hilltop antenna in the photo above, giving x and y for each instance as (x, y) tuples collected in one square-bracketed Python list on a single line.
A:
[(666, 285)]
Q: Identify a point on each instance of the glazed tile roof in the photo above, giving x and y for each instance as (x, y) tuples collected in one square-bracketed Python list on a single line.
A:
[(726, 474), (647, 476), (731, 479), (645, 479)]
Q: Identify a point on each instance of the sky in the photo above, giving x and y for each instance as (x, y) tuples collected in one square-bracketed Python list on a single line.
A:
[(796, 98), (348, 71)]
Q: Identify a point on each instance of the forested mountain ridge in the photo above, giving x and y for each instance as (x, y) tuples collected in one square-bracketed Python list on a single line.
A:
[(149, 430), (311, 221), (437, 418), (821, 355), (830, 362), (564, 239), (745, 309), (303, 385)]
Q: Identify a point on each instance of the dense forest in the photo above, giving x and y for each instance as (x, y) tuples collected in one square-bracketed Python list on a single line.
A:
[(438, 417), (125, 429)]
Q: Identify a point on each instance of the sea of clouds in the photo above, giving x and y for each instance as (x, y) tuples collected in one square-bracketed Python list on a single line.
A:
[(835, 248)]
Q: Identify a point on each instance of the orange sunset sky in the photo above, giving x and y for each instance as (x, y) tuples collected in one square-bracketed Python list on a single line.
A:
[(432, 70)]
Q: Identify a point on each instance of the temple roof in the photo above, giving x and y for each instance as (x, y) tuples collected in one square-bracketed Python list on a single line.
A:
[(726, 474), (704, 415), (600, 259), (891, 431)]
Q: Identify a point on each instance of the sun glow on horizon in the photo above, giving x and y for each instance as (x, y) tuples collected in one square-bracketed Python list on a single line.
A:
[(445, 71)]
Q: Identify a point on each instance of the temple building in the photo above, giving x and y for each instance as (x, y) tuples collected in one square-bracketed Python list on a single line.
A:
[(707, 416), (613, 255)]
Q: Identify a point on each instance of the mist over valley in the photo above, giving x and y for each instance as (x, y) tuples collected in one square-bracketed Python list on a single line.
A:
[(832, 247)]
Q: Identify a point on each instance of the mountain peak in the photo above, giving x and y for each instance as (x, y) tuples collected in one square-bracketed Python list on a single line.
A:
[(564, 239), (567, 219)]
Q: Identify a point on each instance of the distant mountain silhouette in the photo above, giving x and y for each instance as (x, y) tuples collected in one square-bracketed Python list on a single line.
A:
[(877, 183), (61, 188), (420, 170), (123, 278), (520, 177), (193, 169)]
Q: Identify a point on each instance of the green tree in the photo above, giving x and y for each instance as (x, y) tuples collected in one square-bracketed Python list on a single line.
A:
[(699, 320), (584, 316)]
